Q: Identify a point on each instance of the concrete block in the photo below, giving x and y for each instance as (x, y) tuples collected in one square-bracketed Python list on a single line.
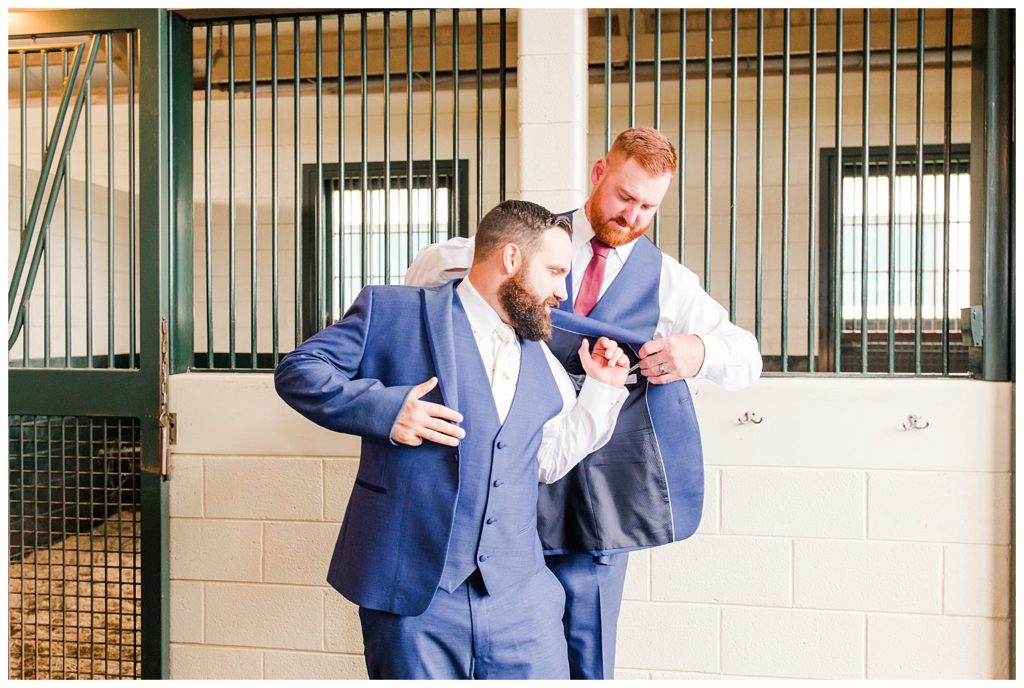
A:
[(793, 502), (185, 487), (937, 647), (186, 612), (668, 636), (274, 616), (342, 630), (290, 666), (339, 478), (215, 550), (217, 663), (792, 643), (875, 576), (976, 581), (723, 569), (638, 576), (939, 507), (298, 552), (264, 488)]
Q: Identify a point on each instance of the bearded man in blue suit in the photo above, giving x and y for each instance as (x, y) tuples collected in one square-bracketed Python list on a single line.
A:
[(645, 487), (461, 411)]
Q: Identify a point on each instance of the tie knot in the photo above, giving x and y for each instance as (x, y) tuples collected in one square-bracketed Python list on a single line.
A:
[(504, 333), (600, 248)]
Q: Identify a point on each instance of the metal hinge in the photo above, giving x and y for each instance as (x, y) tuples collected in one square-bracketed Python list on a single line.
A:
[(167, 421)]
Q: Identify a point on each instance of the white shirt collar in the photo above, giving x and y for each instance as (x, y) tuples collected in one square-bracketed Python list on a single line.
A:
[(582, 233), (482, 317)]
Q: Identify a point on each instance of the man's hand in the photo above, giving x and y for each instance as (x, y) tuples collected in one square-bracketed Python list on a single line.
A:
[(608, 364), (671, 358), (423, 420)]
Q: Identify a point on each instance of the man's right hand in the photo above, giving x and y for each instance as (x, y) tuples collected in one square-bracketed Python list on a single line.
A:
[(424, 420)]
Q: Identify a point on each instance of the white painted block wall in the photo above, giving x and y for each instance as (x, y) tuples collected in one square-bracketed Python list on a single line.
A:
[(833, 544)]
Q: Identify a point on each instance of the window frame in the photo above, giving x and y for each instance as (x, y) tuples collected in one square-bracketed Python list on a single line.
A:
[(828, 238), (421, 169)]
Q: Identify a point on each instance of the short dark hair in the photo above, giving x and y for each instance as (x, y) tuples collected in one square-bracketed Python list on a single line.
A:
[(515, 222)]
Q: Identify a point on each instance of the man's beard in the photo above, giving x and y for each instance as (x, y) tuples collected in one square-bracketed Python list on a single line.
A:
[(527, 314), (613, 236)]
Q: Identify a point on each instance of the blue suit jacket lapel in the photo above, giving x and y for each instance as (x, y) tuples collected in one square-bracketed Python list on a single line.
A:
[(437, 314)]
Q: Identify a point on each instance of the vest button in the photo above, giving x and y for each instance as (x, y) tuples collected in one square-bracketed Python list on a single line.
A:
[(502, 445), (483, 557), (498, 483), (455, 457), (491, 520)]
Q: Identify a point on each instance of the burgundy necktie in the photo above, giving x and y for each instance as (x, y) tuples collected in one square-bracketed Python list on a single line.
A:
[(593, 278)]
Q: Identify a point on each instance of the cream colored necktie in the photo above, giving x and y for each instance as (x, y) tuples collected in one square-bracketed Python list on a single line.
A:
[(504, 373)]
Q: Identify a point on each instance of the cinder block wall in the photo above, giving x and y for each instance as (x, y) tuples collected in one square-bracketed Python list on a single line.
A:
[(833, 543)]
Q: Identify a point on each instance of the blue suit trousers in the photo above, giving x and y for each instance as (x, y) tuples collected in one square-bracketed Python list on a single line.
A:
[(468, 634), (593, 597)]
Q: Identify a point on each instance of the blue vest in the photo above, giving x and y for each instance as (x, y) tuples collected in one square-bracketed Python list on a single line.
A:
[(495, 523), (645, 487)]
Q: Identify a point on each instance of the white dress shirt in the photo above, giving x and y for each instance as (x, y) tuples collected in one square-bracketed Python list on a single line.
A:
[(585, 423), (731, 357)]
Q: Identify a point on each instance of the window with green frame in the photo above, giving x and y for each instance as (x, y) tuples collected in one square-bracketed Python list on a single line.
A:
[(359, 247)]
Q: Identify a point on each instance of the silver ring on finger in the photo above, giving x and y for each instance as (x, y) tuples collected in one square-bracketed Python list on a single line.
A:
[(662, 369)]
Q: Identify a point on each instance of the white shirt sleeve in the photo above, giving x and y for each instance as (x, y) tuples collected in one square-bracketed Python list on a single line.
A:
[(731, 357), (439, 263), (584, 425)]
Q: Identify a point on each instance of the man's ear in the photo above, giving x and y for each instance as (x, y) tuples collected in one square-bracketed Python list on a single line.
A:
[(511, 257), (598, 170)]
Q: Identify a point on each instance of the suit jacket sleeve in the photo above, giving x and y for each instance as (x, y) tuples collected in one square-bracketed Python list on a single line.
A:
[(320, 379)]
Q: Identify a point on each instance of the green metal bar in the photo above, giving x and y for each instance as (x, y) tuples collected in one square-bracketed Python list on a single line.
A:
[(919, 217), (88, 224), (865, 177), (46, 227), (759, 186), (181, 251), (28, 227), (274, 195), (479, 116), (891, 325), (947, 112), (132, 269), (341, 165), (254, 284), (607, 80), (632, 68), (785, 190), (992, 176), (47, 238), (812, 196), (23, 147), (707, 151), (207, 183), (837, 274), (433, 126), (387, 145), (321, 218), (111, 211), (453, 213), (297, 82), (733, 68), (231, 193), (657, 104), (364, 156), (502, 88), (67, 233), (408, 134), (682, 129)]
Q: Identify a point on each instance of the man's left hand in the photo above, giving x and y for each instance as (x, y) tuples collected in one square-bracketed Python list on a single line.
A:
[(607, 364), (671, 358)]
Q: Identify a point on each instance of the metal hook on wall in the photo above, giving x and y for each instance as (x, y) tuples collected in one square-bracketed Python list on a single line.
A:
[(750, 417), (915, 422)]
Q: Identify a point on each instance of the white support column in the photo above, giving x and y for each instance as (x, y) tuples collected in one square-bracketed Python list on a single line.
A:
[(552, 87)]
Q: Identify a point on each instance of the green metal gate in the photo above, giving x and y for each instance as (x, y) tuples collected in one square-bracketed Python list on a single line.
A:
[(101, 110)]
